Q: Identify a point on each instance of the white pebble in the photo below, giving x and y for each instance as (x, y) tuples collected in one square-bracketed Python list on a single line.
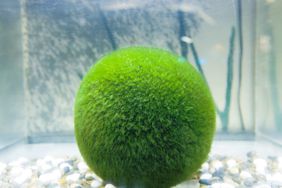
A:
[(34, 168), (96, 184), (275, 179), (231, 163), (56, 173), (45, 178), (1, 174), (110, 186), (206, 176), (73, 178), (233, 170), (75, 186), (205, 167), (3, 165), (262, 186), (4, 184), (82, 167), (279, 163), (23, 177), (44, 165), (229, 180), (50, 177), (260, 162), (244, 175), (58, 161), (16, 171), (217, 164), (45, 168), (39, 162), (3, 169), (222, 185), (188, 184), (249, 182), (261, 170)]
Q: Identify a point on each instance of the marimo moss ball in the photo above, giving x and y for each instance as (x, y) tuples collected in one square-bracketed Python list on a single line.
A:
[(144, 117)]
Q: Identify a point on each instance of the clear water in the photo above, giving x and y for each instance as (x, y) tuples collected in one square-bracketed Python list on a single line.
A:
[(47, 46)]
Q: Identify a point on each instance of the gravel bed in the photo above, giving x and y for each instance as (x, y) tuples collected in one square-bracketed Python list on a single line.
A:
[(71, 172)]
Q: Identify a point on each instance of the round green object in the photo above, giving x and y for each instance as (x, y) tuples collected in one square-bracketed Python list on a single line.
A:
[(144, 118)]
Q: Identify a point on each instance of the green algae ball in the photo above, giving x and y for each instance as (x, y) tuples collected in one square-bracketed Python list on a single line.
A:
[(144, 118)]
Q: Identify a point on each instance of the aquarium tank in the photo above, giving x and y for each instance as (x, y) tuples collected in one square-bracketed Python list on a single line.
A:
[(47, 48)]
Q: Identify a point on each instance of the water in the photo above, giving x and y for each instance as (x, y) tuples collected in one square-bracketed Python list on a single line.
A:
[(46, 47)]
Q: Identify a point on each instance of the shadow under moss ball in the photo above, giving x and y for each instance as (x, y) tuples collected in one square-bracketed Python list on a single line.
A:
[(144, 118)]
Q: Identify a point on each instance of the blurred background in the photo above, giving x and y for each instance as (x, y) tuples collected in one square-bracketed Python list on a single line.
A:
[(47, 46)]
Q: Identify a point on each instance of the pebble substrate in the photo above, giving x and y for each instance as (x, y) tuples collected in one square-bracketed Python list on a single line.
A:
[(71, 172)]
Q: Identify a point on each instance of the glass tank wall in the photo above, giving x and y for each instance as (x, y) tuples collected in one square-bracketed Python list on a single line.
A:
[(268, 66), (47, 46), (12, 119), (63, 39)]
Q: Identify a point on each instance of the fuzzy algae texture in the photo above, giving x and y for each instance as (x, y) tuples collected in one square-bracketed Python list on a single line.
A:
[(144, 117)]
